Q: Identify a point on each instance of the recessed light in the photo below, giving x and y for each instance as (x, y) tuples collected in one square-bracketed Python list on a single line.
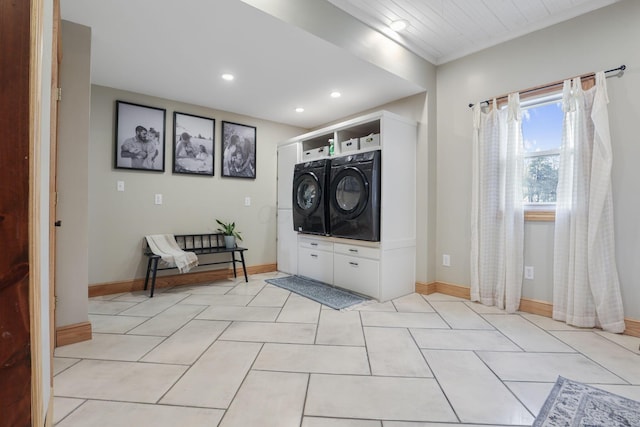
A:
[(299, 110), (336, 94), (228, 77), (399, 24)]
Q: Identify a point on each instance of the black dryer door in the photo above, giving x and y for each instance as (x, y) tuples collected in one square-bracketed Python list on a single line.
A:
[(307, 193), (349, 192)]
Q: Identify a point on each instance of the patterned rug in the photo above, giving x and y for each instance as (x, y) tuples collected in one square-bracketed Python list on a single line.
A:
[(572, 404), (323, 293)]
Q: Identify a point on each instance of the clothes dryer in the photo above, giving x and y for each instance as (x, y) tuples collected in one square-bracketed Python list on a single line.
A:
[(354, 196), (310, 205)]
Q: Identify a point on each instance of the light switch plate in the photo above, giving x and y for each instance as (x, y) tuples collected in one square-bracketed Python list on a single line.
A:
[(158, 199)]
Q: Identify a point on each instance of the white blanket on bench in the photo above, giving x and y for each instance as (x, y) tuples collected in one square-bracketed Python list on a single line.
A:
[(167, 248)]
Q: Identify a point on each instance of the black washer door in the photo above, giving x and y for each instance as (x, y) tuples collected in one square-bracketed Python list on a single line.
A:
[(307, 193), (350, 192)]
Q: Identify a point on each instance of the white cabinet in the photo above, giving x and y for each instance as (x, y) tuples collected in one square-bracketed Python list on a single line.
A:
[(357, 268), (386, 269), (315, 259), (287, 238)]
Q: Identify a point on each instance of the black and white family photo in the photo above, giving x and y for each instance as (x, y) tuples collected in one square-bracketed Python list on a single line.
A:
[(139, 137), (193, 144), (238, 150)]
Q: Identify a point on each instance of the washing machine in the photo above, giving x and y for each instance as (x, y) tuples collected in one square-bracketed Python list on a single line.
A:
[(354, 196), (310, 205)]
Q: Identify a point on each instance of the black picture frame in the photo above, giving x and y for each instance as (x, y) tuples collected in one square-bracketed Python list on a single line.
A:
[(238, 150), (193, 144), (139, 137)]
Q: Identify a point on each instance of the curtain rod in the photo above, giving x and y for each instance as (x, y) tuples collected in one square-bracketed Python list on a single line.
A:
[(559, 82)]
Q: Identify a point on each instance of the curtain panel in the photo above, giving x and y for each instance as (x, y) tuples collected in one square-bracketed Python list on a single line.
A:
[(497, 215), (586, 288)]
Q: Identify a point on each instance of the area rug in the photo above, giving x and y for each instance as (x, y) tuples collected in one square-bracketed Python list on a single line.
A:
[(571, 403), (323, 293)]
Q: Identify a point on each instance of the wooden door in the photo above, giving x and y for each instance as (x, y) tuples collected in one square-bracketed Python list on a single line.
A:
[(15, 326)]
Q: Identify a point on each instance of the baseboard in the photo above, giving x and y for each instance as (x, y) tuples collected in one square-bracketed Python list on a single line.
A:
[(192, 278), (72, 334), (542, 308)]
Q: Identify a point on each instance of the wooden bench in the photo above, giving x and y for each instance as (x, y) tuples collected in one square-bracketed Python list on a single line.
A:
[(200, 244)]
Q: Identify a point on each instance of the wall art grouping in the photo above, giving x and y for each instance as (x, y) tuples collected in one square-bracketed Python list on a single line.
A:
[(140, 143)]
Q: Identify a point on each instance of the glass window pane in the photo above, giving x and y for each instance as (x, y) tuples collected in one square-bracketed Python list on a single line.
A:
[(540, 179), (542, 127)]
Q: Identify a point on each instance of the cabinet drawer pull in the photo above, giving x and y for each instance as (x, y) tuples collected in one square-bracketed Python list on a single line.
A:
[(355, 264), (314, 256), (313, 244), (355, 251)]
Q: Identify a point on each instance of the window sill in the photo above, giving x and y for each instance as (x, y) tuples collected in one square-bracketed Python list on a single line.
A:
[(543, 216)]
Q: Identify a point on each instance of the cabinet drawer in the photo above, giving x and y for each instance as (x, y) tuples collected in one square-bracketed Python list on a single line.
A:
[(315, 264), (357, 274), (357, 251), (318, 244)]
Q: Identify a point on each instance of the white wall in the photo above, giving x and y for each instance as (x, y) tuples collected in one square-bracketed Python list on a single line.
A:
[(600, 40), (118, 221)]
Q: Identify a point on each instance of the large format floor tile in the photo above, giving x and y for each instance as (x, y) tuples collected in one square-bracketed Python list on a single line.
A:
[(382, 398), (459, 316), (110, 347), (215, 378), (123, 381), (294, 333), (268, 399), (526, 335), (340, 328), (546, 367), (186, 345), (96, 413), (475, 393), (393, 352), (313, 358), (231, 353), (612, 356)]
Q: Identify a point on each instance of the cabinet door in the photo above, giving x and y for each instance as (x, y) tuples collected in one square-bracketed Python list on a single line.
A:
[(287, 159), (315, 264), (357, 274), (287, 247)]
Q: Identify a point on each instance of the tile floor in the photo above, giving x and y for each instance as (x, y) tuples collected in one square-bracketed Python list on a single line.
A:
[(250, 354)]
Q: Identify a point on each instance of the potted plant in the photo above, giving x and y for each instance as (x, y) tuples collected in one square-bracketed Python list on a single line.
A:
[(228, 229)]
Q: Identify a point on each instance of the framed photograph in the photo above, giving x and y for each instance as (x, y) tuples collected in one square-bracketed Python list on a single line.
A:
[(238, 150), (139, 137), (193, 144)]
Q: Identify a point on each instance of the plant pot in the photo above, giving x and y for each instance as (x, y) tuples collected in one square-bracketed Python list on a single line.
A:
[(230, 242)]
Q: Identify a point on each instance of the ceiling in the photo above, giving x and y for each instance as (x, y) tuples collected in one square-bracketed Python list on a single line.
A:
[(179, 50)]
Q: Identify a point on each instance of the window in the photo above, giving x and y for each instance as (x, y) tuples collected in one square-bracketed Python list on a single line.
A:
[(542, 136)]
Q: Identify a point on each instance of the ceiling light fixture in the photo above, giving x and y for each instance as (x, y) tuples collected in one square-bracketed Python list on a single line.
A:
[(299, 110), (399, 25), (336, 94), (228, 77)]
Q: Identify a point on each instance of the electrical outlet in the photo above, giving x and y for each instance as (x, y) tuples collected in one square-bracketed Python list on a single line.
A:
[(446, 260), (528, 272), (247, 201), (158, 199)]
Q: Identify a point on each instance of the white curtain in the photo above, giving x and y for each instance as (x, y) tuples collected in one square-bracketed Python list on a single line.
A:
[(497, 217), (586, 289)]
